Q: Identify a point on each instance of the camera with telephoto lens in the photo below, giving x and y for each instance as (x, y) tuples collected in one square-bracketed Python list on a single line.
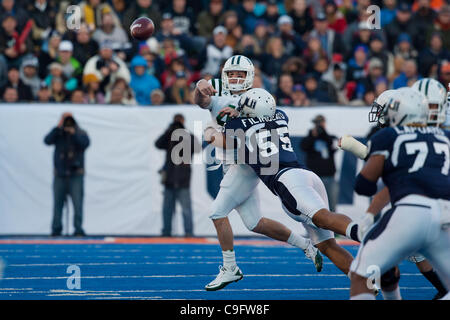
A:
[(319, 127), (69, 122)]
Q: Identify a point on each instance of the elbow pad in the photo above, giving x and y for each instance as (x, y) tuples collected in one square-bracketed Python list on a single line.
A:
[(365, 187)]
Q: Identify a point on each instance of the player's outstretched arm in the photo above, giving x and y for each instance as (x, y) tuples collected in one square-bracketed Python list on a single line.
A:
[(202, 93)]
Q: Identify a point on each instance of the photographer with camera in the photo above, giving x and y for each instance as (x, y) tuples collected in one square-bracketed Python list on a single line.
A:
[(320, 147), (70, 144), (176, 178)]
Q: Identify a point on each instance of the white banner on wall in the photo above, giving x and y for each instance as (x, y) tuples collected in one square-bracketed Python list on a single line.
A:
[(123, 194)]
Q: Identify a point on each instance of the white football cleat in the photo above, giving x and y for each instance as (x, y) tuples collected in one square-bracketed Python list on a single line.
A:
[(314, 255), (224, 278), (376, 290)]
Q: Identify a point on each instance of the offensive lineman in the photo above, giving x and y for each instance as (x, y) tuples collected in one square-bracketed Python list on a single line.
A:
[(435, 95), (413, 161), (237, 188)]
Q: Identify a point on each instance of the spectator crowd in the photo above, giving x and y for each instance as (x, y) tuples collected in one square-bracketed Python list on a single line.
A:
[(305, 52)]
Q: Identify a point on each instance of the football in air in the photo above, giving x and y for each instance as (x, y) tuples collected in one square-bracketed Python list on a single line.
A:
[(142, 28)]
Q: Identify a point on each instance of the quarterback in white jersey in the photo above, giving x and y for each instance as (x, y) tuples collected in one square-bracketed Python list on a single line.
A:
[(220, 97)]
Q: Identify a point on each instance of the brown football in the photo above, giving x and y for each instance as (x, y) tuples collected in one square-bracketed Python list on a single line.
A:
[(142, 28)]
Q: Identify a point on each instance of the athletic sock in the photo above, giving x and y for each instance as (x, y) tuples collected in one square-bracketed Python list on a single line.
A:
[(297, 241), (363, 296), (229, 259), (392, 295), (435, 281), (352, 231)]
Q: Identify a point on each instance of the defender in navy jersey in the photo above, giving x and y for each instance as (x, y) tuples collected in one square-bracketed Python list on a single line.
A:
[(262, 139), (416, 161), (432, 90), (413, 161), (273, 154)]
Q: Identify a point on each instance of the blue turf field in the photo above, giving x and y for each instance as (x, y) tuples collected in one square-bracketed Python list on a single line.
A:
[(177, 271)]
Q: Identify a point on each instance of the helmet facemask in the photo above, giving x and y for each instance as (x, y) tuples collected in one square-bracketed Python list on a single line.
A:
[(436, 114), (240, 84), (378, 114)]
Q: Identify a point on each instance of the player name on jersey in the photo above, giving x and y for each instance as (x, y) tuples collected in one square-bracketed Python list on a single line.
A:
[(252, 121), (423, 130)]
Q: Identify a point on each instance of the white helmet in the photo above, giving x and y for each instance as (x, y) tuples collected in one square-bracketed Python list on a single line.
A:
[(256, 102), (238, 63), (379, 109), (435, 93), (408, 106)]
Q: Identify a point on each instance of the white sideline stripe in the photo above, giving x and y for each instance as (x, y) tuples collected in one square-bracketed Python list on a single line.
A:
[(149, 263), (150, 257), (146, 251), (83, 294), (191, 276), (172, 276), (134, 298)]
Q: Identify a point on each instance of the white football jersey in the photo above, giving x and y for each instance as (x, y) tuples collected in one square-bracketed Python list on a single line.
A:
[(223, 98)]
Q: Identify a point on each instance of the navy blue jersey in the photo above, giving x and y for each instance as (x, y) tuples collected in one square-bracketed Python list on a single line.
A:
[(264, 144), (416, 161)]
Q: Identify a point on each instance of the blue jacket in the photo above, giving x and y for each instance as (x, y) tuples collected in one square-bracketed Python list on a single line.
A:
[(142, 85), (68, 158), (401, 81)]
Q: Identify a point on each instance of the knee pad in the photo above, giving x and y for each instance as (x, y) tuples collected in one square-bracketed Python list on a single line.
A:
[(390, 277)]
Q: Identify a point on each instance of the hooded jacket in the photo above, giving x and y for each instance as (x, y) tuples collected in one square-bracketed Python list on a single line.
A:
[(34, 82), (68, 158), (144, 84), (176, 175)]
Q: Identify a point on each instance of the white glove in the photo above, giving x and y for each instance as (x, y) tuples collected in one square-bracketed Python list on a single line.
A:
[(364, 224)]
